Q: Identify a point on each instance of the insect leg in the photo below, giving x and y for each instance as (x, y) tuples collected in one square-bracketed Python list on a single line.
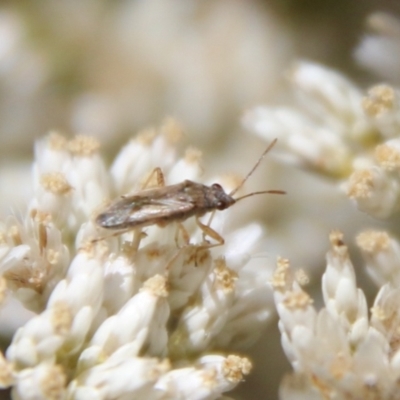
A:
[(159, 176), (208, 226), (170, 263), (185, 235), (132, 247), (138, 235), (207, 231)]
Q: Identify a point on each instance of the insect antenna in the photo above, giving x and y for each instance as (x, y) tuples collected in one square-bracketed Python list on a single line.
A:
[(247, 177), (262, 192), (253, 169)]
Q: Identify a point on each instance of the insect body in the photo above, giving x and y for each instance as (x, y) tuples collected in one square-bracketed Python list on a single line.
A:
[(175, 203), (160, 206)]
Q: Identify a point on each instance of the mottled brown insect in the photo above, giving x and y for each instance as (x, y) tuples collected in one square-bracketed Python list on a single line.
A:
[(174, 203)]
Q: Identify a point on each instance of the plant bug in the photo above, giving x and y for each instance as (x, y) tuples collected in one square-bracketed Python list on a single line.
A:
[(174, 203)]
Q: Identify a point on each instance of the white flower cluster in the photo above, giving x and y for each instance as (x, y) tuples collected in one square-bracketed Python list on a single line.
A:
[(340, 352), (340, 133), (351, 138), (130, 315)]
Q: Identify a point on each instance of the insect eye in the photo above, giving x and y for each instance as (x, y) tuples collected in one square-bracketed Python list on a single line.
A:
[(221, 205), (216, 186)]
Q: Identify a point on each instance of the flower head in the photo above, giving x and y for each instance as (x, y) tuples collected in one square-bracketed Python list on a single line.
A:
[(341, 133), (341, 351), (139, 312)]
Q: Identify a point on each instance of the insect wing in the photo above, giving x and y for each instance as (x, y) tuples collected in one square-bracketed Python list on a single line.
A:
[(157, 211), (140, 211)]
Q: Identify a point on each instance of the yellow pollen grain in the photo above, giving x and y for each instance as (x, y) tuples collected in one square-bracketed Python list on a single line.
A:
[(220, 263), (56, 141), (89, 245), (53, 385), (379, 313), (193, 155), (379, 100), (387, 157), (94, 248), (301, 277), (297, 300), (61, 318), (339, 366), (156, 285), (361, 184), (373, 241), (198, 257), (225, 277), (36, 278), (172, 130), (83, 146), (281, 276), (41, 217), (56, 183), (52, 256), (209, 378), (234, 367)]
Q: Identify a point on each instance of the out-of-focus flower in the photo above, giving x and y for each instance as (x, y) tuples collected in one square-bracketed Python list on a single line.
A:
[(339, 132), (106, 69), (379, 50), (125, 314), (325, 132)]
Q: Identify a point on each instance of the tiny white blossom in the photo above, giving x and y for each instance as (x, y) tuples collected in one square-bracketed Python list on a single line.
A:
[(382, 106), (206, 380), (381, 253), (33, 258), (46, 381)]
